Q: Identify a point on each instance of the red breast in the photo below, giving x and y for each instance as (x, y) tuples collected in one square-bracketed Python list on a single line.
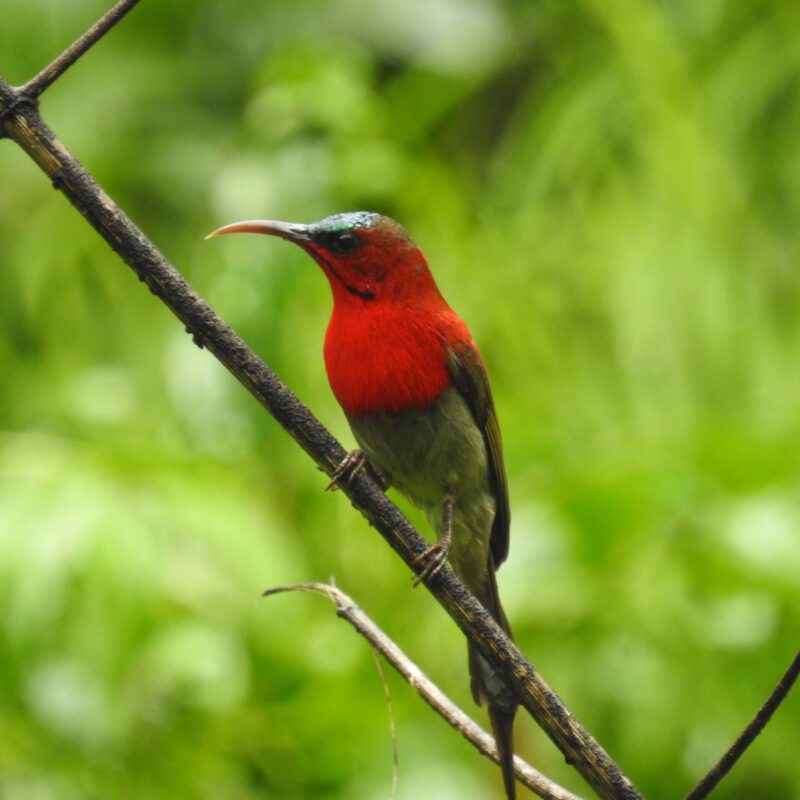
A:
[(390, 357)]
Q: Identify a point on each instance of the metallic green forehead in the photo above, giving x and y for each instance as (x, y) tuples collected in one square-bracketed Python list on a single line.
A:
[(346, 221)]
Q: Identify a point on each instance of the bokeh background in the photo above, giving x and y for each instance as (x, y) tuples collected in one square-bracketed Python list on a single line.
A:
[(608, 192)]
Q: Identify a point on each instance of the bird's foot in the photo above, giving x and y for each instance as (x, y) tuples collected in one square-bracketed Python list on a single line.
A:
[(354, 462), (433, 559), (348, 468)]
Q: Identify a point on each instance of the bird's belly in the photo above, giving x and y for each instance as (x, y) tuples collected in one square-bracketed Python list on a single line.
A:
[(432, 454), (427, 453)]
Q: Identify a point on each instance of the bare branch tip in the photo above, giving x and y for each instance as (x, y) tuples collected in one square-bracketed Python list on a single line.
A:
[(328, 589), (716, 774), (286, 587), (56, 68)]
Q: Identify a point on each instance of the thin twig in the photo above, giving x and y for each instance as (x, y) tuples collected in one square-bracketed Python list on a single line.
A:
[(392, 723), (748, 735), (427, 690), (36, 85)]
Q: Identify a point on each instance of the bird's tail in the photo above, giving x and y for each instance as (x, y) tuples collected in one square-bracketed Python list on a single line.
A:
[(489, 687)]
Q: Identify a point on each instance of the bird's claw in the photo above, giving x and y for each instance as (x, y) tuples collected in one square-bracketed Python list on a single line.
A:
[(433, 558), (353, 463)]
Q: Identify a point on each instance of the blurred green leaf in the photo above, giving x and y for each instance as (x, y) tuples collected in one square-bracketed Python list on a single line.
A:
[(608, 192)]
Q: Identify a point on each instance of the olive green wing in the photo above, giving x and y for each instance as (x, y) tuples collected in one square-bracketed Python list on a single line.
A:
[(472, 381)]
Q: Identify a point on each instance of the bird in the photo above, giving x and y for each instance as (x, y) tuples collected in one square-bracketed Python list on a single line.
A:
[(414, 388)]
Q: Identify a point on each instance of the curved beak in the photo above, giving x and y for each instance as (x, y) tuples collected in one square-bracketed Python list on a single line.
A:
[(293, 231)]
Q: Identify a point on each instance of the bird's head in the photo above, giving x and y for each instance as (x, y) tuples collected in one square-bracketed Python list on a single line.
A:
[(365, 255)]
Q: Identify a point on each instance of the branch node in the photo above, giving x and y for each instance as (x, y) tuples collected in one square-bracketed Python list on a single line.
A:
[(15, 101), (195, 338)]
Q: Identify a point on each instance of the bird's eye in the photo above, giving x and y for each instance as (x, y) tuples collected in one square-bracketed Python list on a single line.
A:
[(344, 242)]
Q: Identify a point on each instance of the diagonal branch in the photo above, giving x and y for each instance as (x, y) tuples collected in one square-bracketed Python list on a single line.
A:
[(748, 735), (36, 85), (427, 690), (22, 123)]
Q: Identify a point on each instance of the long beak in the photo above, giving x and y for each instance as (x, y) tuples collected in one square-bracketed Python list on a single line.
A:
[(293, 231)]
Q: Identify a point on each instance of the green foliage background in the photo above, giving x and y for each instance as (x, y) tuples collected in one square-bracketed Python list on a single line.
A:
[(608, 192)]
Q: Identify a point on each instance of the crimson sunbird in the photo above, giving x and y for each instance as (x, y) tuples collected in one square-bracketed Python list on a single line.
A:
[(414, 388)]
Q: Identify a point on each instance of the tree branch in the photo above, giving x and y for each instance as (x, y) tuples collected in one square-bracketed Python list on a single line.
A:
[(20, 121), (748, 735), (427, 690), (36, 85)]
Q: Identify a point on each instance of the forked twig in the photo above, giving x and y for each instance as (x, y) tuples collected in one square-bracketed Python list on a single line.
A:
[(748, 735), (427, 690)]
